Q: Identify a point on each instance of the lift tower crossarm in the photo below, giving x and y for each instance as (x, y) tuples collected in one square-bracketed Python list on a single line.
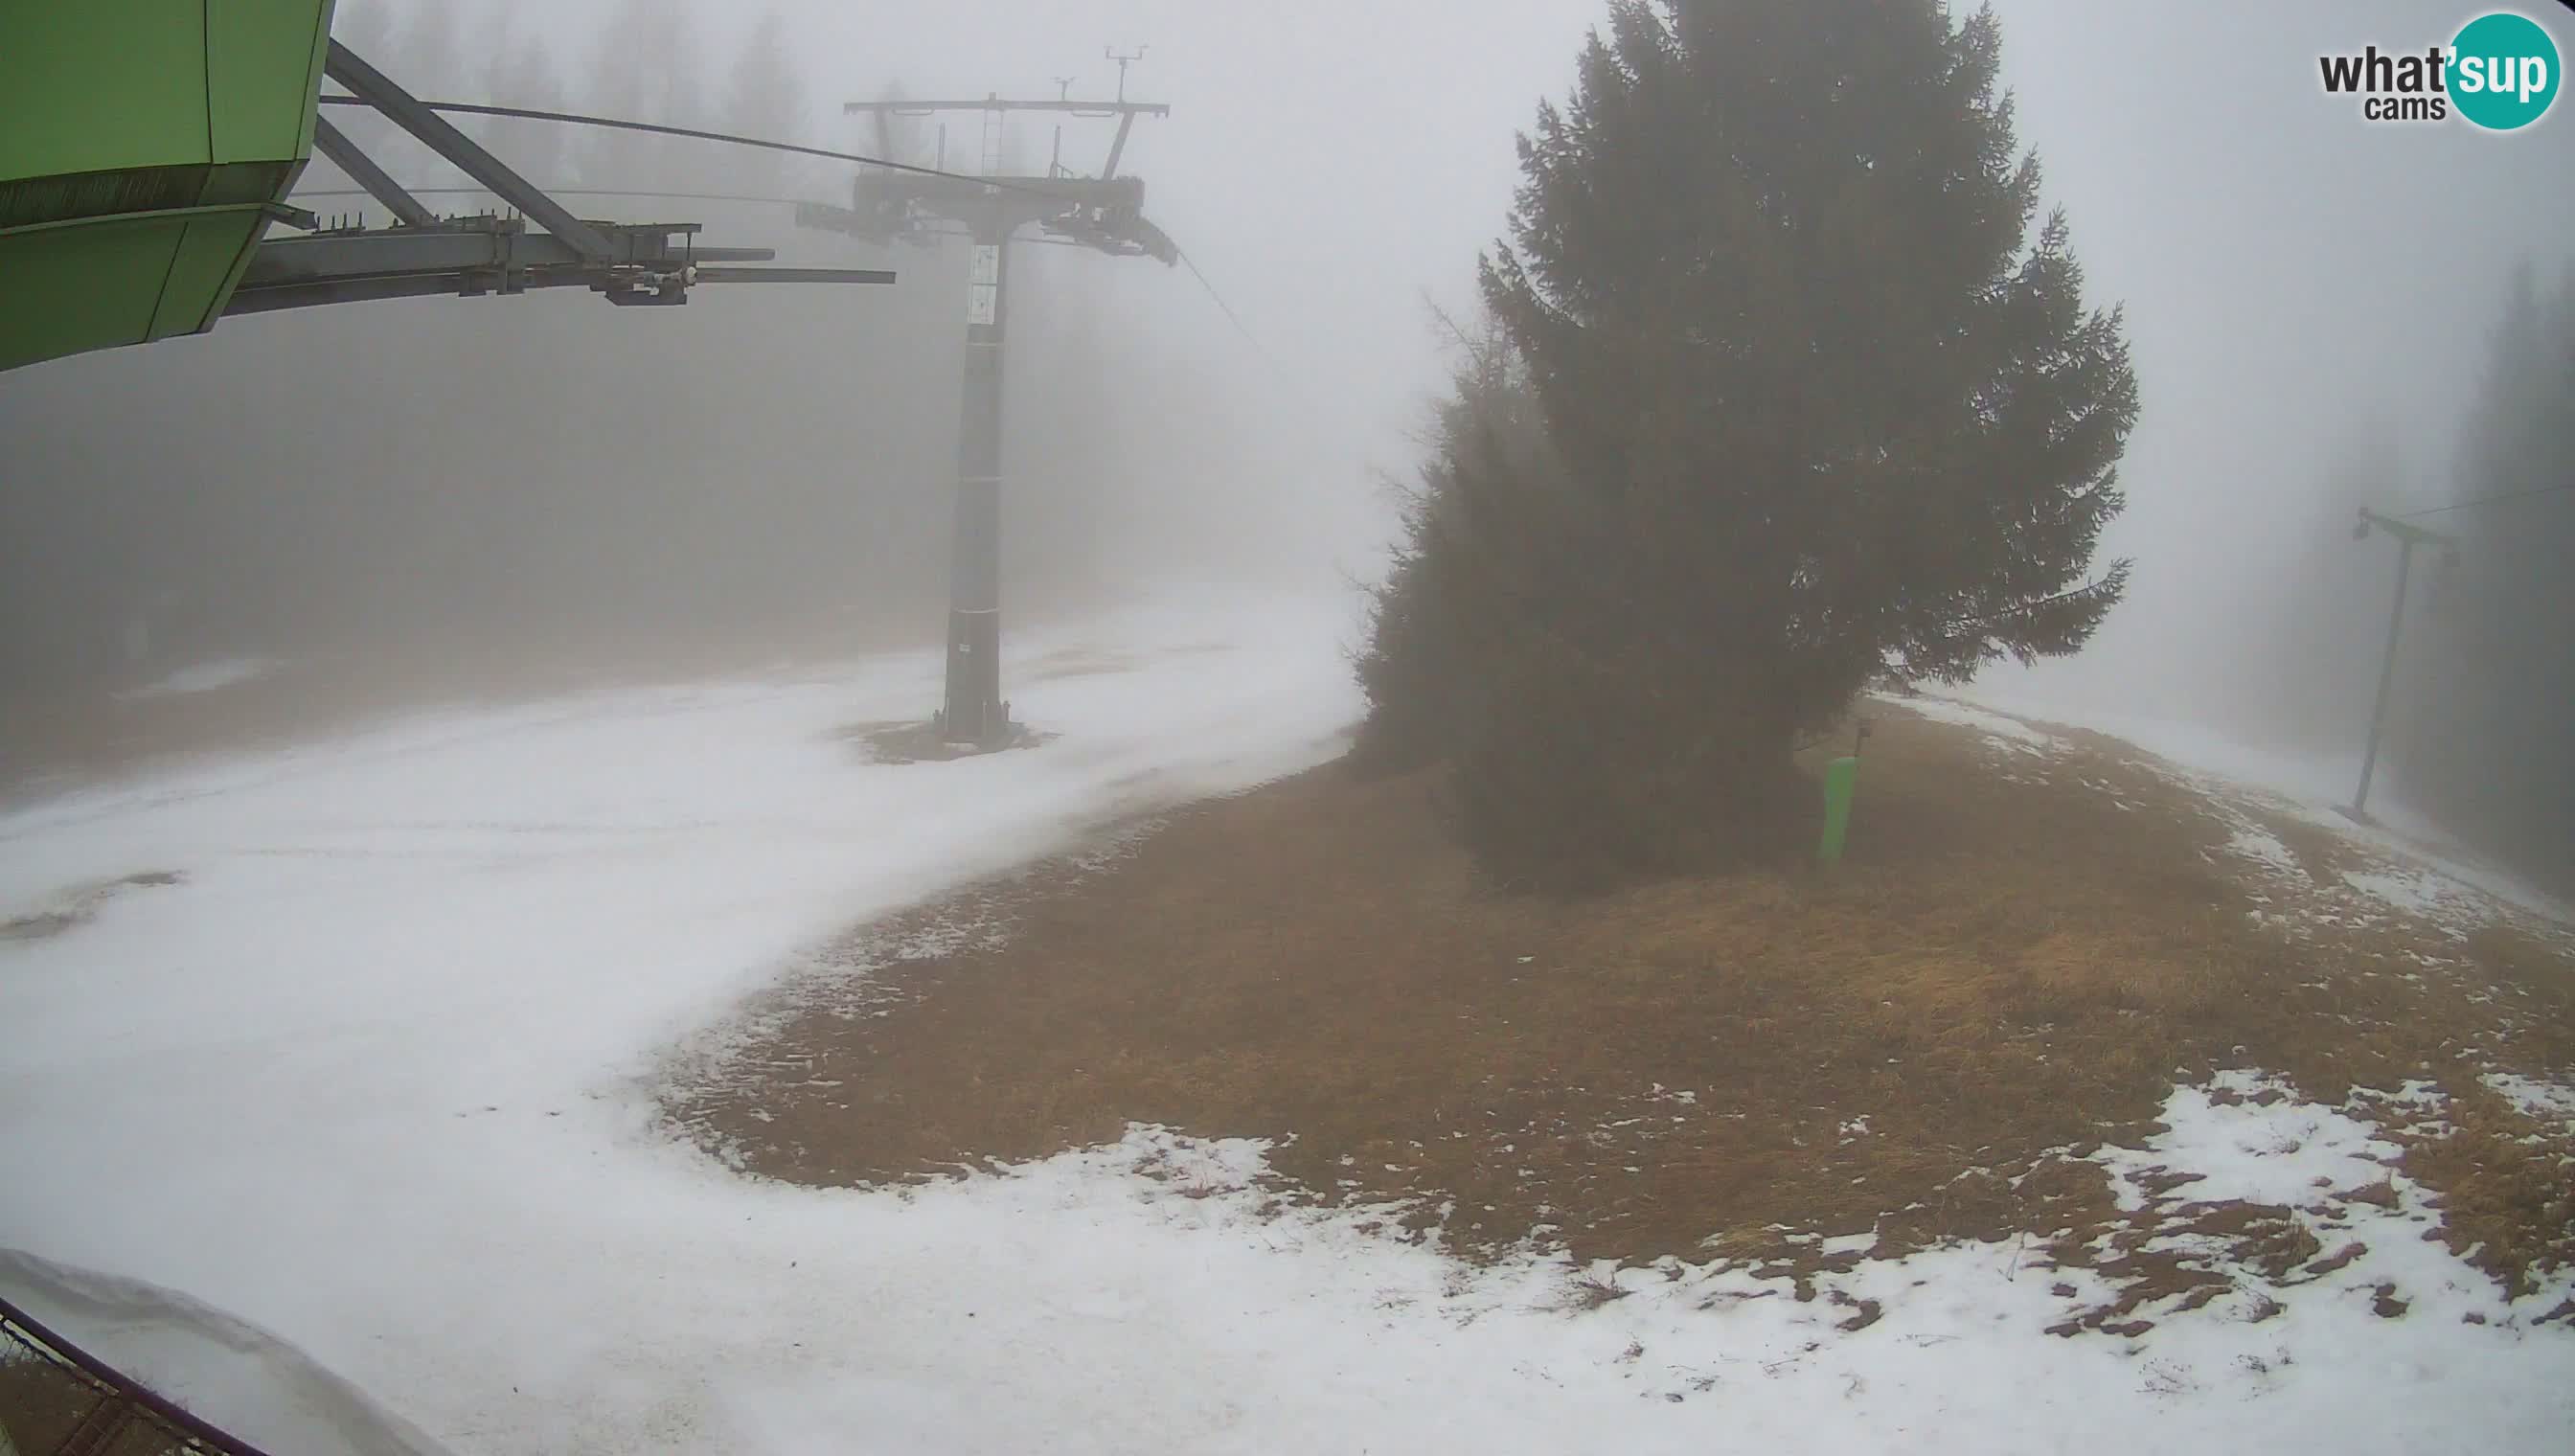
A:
[(1064, 106), (2412, 535), (1124, 111), (1118, 148)]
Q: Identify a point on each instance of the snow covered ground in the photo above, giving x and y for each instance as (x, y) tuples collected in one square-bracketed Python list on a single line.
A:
[(360, 1050)]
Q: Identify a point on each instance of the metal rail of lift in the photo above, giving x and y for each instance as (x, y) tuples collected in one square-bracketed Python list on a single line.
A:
[(422, 254)]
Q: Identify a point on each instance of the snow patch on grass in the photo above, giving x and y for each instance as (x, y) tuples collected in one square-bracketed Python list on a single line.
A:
[(2010, 732), (1884, 1350), (2279, 1152), (2426, 894), (2251, 841), (2541, 1101), (2417, 1109), (2327, 1174)]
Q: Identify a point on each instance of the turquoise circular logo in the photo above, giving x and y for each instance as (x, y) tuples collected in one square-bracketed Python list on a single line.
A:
[(2503, 71)]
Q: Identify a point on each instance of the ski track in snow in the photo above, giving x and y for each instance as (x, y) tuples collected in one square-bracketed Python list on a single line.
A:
[(206, 677), (374, 1074)]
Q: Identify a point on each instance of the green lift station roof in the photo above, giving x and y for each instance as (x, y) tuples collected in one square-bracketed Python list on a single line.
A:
[(144, 148)]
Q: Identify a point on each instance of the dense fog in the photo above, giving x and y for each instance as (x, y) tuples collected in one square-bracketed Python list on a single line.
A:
[(435, 485)]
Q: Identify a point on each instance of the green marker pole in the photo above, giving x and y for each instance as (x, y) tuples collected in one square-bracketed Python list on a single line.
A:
[(1841, 776)]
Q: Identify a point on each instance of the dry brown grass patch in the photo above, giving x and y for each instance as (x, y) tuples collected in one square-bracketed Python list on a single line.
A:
[(2016, 963)]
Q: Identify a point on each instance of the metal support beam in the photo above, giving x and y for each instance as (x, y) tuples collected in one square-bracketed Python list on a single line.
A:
[(795, 274), (1103, 213), (2387, 677), (378, 89), (313, 293), (973, 712), (362, 169), (1105, 216), (1118, 148), (646, 265), (496, 255), (2407, 538), (972, 709), (468, 243), (377, 253), (1044, 193), (994, 103)]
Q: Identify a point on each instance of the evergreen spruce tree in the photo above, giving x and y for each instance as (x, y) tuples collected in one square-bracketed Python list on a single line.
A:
[(1817, 406)]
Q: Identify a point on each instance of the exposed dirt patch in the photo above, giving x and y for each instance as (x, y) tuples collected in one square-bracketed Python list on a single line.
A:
[(2021, 955), (920, 743), (79, 907)]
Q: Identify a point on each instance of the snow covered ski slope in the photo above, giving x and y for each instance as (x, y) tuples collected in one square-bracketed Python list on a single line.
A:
[(356, 1044)]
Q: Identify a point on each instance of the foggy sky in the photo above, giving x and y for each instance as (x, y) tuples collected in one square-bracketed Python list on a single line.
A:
[(2291, 274)]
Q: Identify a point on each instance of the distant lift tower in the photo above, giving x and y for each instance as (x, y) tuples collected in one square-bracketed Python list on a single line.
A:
[(1105, 213), (2407, 537)]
